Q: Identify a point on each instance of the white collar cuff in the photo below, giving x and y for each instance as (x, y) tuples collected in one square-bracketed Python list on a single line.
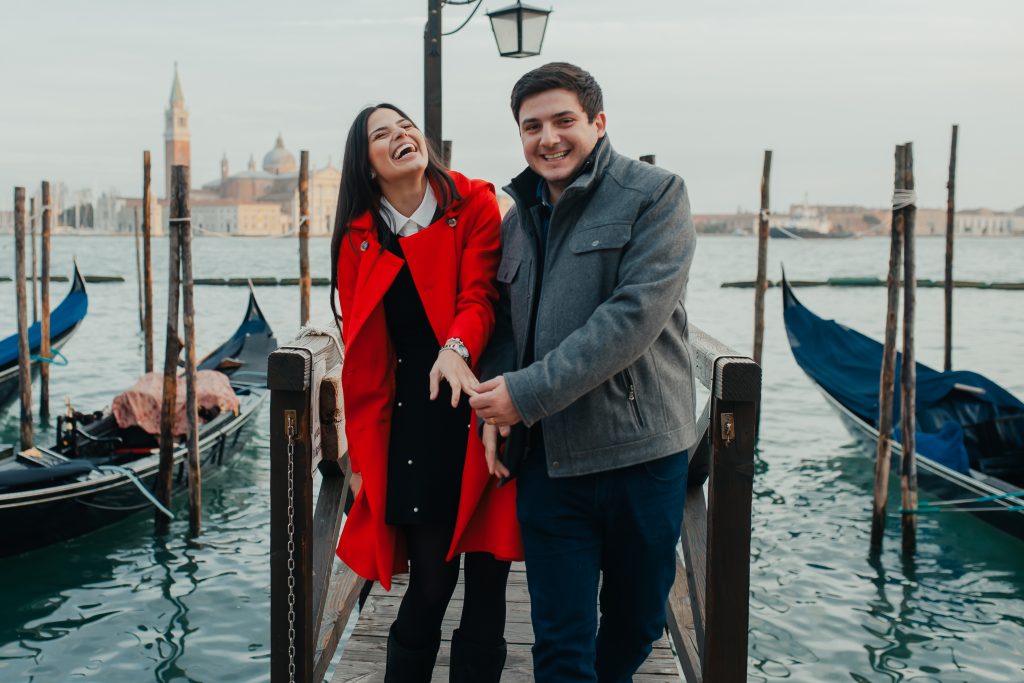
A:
[(423, 216)]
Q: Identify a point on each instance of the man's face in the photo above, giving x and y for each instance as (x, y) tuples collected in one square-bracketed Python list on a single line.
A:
[(557, 137)]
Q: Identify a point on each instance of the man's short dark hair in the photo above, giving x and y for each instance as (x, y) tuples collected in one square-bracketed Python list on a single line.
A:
[(559, 75)]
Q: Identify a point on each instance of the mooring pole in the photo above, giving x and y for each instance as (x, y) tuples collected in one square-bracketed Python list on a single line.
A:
[(887, 379), (178, 211), (762, 259), (648, 159), (304, 280), (950, 211), (195, 479), (24, 362), (32, 235), (44, 314), (138, 273), (908, 395), (147, 258), (446, 153), (432, 75)]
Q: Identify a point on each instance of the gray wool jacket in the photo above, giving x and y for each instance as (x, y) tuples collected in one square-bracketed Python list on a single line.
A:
[(611, 381)]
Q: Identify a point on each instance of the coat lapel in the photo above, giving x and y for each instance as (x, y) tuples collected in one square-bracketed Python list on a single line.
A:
[(377, 270), (430, 254)]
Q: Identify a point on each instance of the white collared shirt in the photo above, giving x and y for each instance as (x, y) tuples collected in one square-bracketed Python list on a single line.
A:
[(403, 226)]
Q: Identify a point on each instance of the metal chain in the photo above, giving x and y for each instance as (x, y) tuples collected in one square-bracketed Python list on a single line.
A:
[(291, 548)]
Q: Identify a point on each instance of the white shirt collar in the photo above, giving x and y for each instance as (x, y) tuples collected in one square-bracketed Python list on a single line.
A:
[(422, 216)]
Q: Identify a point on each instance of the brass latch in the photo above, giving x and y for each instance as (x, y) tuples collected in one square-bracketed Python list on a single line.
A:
[(728, 428)]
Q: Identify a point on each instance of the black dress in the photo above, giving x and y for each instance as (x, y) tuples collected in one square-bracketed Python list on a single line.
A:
[(428, 438)]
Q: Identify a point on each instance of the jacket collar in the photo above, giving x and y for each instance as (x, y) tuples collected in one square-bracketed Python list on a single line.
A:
[(523, 188), (462, 185)]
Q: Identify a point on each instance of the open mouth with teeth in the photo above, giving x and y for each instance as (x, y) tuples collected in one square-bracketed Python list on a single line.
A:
[(555, 157), (404, 150)]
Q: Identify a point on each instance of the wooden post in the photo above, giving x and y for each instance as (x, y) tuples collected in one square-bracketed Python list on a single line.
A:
[(138, 273), (44, 317), (180, 175), (446, 153), (147, 258), (908, 395), (950, 211), (887, 379), (304, 279), (32, 233), (648, 159), (762, 259), (432, 75), (24, 362), (178, 210)]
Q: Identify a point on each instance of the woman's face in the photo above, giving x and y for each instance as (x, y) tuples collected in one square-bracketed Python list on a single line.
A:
[(397, 148)]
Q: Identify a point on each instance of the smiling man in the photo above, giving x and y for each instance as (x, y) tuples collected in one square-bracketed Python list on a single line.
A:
[(589, 378)]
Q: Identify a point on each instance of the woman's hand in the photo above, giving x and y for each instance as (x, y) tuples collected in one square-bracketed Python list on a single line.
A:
[(494, 466), (450, 367)]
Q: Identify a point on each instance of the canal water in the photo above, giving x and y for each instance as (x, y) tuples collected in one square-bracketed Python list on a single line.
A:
[(119, 605)]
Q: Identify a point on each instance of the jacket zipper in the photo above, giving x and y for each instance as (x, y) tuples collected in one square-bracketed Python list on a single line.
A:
[(631, 397)]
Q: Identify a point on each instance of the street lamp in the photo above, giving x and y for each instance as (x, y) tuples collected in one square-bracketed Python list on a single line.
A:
[(518, 30)]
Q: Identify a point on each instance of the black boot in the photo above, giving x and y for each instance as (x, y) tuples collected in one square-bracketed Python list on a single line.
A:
[(475, 663), (405, 665)]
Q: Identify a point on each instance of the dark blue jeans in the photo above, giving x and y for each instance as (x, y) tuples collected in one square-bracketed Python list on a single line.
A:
[(623, 524)]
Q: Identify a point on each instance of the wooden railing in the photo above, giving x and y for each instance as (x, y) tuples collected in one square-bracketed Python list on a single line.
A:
[(311, 601)]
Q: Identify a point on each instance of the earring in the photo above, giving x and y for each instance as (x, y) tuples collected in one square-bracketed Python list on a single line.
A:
[(373, 174)]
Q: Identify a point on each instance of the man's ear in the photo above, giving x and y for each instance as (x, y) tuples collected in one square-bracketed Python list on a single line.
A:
[(601, 122)]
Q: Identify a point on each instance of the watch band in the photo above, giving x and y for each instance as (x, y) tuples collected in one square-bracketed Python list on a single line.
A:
[(458, 346)]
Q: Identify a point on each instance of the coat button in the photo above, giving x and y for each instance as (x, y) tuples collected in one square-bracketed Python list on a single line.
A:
[(415, 509), (595, 243), (555, 464), (364, 246), (399, 360), (410, 462), (452, 221), (399, 404)]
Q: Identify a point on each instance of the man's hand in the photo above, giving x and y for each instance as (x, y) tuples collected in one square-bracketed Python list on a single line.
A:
[(490, 439), (450, 367), (493, 404)]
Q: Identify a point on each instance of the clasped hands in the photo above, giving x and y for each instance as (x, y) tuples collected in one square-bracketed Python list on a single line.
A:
[(489, 399)]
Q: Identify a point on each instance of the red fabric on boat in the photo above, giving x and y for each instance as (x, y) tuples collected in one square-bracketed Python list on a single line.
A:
[(140, 404)]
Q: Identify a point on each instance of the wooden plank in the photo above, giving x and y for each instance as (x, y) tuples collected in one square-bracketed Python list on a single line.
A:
[(290, 533), (345, 588), (730, 491), (364, 653), (726, 373), (695, 543), (681, 626)]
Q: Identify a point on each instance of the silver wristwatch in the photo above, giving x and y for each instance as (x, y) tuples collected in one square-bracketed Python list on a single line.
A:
[(455, 344)]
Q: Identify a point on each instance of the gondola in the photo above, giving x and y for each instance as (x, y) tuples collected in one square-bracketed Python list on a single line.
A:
[(98, 473), (64, 320), (970, 431)]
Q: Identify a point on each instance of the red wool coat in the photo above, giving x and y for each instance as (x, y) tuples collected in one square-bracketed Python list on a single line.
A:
[(453, 264)]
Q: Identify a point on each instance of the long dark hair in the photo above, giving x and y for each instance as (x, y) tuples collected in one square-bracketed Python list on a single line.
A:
[(360, 192)]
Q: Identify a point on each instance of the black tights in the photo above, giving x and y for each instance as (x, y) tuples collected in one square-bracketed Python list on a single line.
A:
[(432, 582)]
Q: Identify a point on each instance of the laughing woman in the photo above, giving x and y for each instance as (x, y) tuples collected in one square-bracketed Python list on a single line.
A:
[(415, 250)]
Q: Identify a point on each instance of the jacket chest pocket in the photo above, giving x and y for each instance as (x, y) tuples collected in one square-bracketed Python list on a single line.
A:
[(600, 237), (507, 270)]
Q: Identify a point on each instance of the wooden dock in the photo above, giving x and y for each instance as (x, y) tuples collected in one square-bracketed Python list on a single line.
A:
[(364, 651), (313, 596)]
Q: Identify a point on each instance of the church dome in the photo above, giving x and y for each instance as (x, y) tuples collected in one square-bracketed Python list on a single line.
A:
[(279, 160)]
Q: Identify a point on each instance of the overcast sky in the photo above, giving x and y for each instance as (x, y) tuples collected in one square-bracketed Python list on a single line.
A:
[(706, 85)]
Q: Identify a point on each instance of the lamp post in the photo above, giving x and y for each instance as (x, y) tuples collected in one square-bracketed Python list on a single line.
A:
[(518, 30)]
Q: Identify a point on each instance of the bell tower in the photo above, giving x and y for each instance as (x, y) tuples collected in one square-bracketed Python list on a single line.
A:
[(177, 140)]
